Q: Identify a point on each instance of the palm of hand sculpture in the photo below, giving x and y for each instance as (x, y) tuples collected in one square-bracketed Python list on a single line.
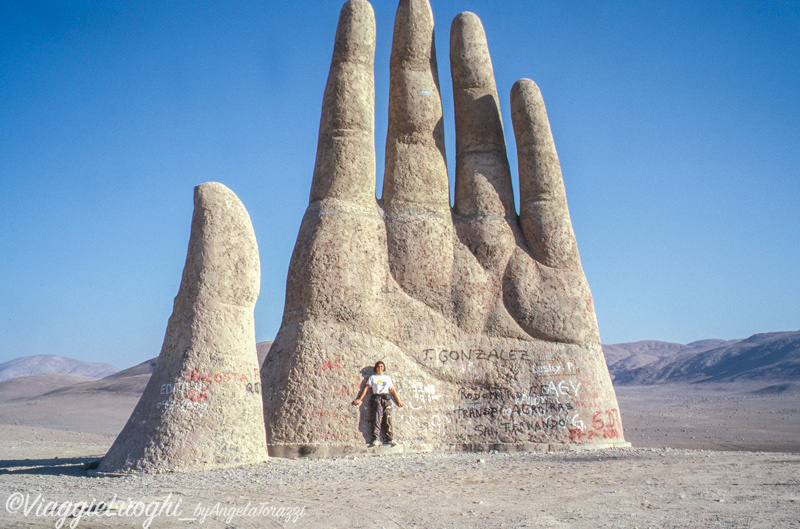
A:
[(484, 317)]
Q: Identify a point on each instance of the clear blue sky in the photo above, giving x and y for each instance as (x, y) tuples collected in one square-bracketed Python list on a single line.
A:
[(677, 125)]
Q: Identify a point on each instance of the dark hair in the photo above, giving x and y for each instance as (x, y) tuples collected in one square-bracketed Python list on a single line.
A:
[(379, 362)]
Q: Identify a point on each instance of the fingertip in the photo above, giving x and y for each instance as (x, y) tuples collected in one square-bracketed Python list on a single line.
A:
[(466, 23), (471, 65), (525, 84), (527, 104), (412, 42), (355, 34), (524, 91)]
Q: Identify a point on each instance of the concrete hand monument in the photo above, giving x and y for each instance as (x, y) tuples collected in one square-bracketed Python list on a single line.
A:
[(483, 316), (202, 406)]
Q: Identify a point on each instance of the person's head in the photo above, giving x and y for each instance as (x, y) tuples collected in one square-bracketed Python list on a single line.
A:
[(380, 367)]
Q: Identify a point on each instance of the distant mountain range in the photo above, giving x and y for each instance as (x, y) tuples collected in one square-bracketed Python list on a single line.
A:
[(765, 357), (625, 357), (762, 357), (28, 366)]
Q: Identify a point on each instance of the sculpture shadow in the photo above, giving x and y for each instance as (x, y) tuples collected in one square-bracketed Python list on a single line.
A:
[(365, 408), (70, 466)]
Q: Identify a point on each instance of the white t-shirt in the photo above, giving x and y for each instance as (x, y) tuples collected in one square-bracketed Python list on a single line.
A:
[(380, 384)]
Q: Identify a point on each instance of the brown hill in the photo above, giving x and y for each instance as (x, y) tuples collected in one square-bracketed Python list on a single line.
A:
[(769, 356), (22, 388), (624, 357), (28, 366)]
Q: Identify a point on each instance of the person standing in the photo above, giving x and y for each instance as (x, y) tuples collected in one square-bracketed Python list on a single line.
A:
[(382, 393)]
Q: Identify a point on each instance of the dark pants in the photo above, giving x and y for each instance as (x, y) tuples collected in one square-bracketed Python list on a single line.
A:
[(382, 415)]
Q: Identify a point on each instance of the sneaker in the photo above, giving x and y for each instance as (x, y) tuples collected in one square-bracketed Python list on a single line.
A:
[(392, 443), (376, 443)]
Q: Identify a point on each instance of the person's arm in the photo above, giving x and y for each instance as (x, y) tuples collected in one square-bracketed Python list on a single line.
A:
[(361, 395), (400, 403)]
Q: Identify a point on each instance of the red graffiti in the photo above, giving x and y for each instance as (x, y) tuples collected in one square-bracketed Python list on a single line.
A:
[(197, 396), (604, 419), (576, 434), (334, 415), (195, 375), (327, 365), (604, 426), (337, 364)]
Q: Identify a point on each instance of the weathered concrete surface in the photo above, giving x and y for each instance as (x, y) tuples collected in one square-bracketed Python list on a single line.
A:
[(483, 318), (202, 406)]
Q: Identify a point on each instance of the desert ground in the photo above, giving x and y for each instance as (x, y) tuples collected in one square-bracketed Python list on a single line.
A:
[(702, 456)]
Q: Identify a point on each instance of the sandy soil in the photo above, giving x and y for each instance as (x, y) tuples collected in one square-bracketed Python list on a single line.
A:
[(669, 478), (740, 416), (637, 487)]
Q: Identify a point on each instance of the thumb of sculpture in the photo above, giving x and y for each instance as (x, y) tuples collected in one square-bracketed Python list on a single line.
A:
[(202, 407)]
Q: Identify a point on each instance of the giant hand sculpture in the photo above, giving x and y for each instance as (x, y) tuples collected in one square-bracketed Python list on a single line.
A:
[(483, 317)]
